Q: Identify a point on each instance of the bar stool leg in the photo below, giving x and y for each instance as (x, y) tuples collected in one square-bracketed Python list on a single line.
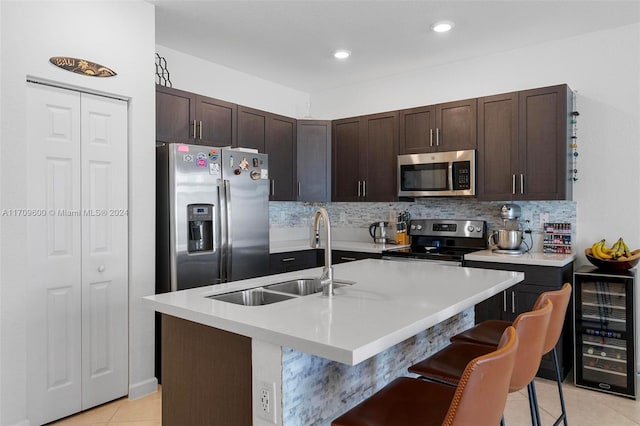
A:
[(535, 402), (563, 415), (533, 405)]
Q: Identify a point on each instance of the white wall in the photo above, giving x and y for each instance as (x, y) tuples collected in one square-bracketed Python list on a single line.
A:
[(602, 67), (120, 35), (206, 78)]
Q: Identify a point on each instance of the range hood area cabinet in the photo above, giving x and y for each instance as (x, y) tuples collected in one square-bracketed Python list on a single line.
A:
[(185, 117), (448, 126), (364, 158), (523, 145), (274, 135)]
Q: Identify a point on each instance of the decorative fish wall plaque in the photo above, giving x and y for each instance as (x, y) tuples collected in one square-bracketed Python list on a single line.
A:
[(81, 66)]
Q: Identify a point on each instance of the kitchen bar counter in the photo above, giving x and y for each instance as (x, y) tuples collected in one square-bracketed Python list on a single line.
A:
[(316, 356), (531, 258), (390, 302)]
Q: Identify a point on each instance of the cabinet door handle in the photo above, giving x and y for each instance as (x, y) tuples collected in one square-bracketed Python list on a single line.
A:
[(200, 129), (347, 258), (430, 137), (504, 301), (273, 187), (364, 189), (437, 136), (194, 129), (298, 188), (513, 184), (521, 183), (513, 302), (288, 259)]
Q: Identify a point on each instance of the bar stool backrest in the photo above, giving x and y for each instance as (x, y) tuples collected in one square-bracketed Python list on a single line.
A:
[(531, 328), (481, 394), (560, 299)]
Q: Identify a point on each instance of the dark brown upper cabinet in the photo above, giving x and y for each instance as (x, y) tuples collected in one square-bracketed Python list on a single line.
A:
[(274, 135), (364, 151), (314, 161), (523, 145), (252, 128), (448, 126), (185, 117), (281, 147)]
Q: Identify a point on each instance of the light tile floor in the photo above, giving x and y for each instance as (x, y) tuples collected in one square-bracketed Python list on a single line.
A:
[(585, 408)]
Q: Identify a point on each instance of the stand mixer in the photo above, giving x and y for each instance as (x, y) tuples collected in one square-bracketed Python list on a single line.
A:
[(508, 239)]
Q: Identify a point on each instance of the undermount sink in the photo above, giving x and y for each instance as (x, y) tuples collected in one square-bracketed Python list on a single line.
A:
[(300, 287), (252, 297), (304, 286), (274, 293)]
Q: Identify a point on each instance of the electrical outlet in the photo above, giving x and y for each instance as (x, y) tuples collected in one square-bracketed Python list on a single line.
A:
[(266, 403)]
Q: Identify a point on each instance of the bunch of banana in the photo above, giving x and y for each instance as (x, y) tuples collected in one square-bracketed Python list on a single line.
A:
[(618, 251)]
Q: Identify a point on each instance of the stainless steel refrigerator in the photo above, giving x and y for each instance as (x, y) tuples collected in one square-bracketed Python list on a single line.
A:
[(212, 216)]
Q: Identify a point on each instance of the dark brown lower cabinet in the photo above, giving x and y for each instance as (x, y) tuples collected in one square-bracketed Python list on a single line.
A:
[(206, 375), (293, 261), (521, 298), (341, 256)]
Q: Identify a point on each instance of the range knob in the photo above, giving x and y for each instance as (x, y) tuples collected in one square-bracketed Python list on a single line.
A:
[(419, 227), (470, 228), (413, 227), (478, 229)]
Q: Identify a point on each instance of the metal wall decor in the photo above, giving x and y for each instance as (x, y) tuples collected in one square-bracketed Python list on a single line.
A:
[(162, 72), (81, 66), (574, 139)]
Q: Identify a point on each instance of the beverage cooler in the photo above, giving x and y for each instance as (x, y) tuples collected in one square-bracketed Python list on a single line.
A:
[(604, 308)]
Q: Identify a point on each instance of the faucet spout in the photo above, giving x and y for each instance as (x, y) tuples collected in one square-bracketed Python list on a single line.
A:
[(326, 280)]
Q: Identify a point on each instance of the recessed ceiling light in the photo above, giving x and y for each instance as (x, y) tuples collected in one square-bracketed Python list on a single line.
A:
[(341, 54), (442, 26)]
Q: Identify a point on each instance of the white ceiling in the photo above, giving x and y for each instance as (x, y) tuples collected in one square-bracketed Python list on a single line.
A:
[(291, 42)]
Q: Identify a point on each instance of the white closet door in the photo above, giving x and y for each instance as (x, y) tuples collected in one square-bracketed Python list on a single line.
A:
[(104, 250), (52, 170)]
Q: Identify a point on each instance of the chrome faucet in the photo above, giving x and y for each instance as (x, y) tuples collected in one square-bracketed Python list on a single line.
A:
[(326, 280)]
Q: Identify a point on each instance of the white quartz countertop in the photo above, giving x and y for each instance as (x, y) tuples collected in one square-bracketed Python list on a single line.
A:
[(389, 302), (531, 258)]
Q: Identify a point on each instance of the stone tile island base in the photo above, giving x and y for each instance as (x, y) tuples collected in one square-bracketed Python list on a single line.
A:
[(211, 376)]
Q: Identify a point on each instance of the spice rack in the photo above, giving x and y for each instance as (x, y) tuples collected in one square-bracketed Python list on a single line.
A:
[(557, 238)]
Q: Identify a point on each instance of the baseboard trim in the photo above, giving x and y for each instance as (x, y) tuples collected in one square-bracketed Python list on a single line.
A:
[(140, 389)]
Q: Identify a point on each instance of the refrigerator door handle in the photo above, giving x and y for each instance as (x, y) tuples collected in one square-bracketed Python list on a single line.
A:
[(224, 235), (227, 224)]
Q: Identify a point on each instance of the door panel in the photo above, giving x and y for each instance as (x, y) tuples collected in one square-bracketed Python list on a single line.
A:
[(345, 169), (281, 149), (497, 146), (104, 250), (381, 164), (53, 242)]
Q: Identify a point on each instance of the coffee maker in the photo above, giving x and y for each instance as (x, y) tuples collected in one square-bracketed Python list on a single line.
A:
[(508, 239)]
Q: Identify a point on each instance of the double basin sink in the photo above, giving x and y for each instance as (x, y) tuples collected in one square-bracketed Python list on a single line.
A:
[(274, 293)]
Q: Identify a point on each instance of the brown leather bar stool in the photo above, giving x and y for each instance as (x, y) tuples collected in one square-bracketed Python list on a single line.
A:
[(489, 332), (479, 399), (447, 365)]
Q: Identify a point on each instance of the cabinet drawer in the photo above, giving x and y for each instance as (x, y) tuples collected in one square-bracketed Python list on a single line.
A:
[(341, 256), (292, 261)]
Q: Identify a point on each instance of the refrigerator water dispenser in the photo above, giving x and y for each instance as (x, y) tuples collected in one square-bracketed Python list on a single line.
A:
[(200, 222)]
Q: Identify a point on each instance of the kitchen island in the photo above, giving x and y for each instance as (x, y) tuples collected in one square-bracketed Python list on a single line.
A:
[(313, 357)]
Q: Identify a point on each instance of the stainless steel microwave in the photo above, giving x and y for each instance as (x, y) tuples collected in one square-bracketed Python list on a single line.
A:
[(437, 174)]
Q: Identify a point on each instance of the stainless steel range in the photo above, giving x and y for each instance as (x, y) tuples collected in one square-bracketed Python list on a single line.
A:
[(442, 240)]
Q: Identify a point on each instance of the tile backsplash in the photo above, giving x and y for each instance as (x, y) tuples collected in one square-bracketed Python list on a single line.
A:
[(360, 215)]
